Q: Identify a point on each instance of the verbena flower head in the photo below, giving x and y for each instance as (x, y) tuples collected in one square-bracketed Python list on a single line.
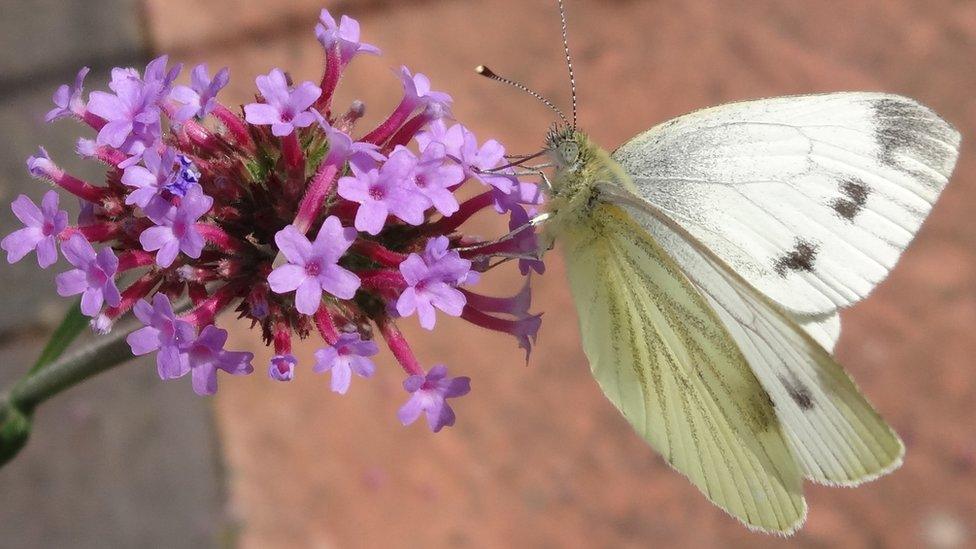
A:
[(287, 212)]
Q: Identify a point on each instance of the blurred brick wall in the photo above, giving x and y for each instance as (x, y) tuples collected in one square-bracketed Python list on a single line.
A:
[(539, 457)]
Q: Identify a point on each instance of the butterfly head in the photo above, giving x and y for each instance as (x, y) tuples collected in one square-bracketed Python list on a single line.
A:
[(566, 147)]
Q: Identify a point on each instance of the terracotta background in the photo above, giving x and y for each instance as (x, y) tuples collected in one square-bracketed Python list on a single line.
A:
[(539, 457)]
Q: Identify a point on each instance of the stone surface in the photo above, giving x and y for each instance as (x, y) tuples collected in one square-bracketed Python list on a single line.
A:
[(122, 460), (539, 457), (47, 37)]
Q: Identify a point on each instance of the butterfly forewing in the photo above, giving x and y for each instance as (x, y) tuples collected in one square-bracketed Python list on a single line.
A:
[(811, 199), (666, 361)]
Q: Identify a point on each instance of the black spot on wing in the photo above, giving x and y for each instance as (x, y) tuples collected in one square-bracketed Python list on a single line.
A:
[(905, 128), (800, 258), (799, 392), (855, 195)]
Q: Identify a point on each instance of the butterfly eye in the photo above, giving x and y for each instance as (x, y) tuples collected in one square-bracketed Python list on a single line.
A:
[(569, 152)]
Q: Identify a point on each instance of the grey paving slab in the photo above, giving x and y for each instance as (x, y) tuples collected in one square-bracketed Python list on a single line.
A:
[(123, 460), (44, 37)]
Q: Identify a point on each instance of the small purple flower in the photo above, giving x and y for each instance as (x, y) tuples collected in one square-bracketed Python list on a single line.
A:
[(206, 354), (155, 175), (158, 77), (417, 91), (142, 138), (177, 232), (461, 144), (342, 149), (132, 109), (200, 97), (313, 266), (67, 99), (164, 332), (41, 228), (349, 354), (93, 275), (284, 109), (429, 394), (437, 132), (432, 281), (382, 192), (282, 367), (478, 160), (344, 37), (433, 176)]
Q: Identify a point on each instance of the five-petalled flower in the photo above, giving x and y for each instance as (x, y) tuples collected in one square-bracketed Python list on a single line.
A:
[(432, 280), (205, 355), (429, 394), (313, 266), (284, 108), (164, 333), (176, 231), (41, 229), (199, 98), (347, 355), (382, 192), (93, 276)]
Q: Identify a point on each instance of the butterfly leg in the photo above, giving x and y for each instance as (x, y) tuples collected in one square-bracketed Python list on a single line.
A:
[(532, 222)]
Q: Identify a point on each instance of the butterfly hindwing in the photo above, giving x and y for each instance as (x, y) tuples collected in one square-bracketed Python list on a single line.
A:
[(811, 199), (824, 329), (665, 360), (836, 435)]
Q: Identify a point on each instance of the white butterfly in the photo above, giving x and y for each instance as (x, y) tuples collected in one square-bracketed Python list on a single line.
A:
[(708, 258)]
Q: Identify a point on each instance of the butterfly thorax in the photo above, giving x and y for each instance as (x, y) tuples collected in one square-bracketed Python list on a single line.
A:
[(581, 166)]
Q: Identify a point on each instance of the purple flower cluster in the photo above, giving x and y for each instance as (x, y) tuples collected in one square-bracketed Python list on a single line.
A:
[(276, 210)]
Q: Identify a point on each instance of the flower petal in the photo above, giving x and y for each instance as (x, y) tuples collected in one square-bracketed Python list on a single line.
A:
[(261, 114), (339, 282), (409, 412), (286, 278), (308, 296), (341, 376), (294, 245), (72, 282)]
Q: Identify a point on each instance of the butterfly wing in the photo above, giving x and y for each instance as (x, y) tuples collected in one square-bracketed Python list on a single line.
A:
[(836, 435), (811, 199), (665, 360), (824, 329)]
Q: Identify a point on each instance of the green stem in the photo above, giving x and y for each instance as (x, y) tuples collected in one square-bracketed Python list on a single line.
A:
[(105, 353)]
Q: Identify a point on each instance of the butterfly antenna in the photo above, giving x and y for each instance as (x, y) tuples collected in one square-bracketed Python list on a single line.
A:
[(569, 58), (488, 73)]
